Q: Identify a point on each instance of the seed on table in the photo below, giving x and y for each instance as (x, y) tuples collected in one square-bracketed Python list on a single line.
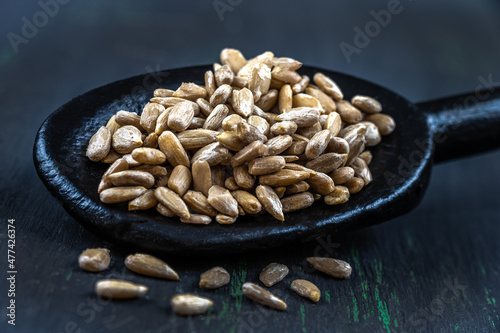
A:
[(270, 201), (334, 267), (146, 264), (273, 273), (99, 145), (306, 289), (297, 201), (190, 304), (339, 196), (214, 278), (262, 296), (119, 289), (94, 260)]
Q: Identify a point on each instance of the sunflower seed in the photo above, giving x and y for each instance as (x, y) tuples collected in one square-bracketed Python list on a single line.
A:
[(190, 304), (384, 122), (221, 95), (163, 93), (225, 219), (144, 202), (190, 91), (214, 278), (306, 289), (214, 120), (249, 152), (349, 113), (233, 58), (210, 85), (99, 145), (146, 264), (285, 99), (361, 170), (273, 273), (339, 196), (327, 162), (326, 101), (259, 80), (279, 144), (321, 183), (126, 139), (197, 219), (181, 115), (172, 201), (334, 267), (262, 296), (119, 289), (298, 187), (132, 178), (366, 104), (266, 165), (301, 85), (121, 194), (214, 154), (173, 150), (297, 202), (224, 75), (342, 175), (242, 177), (303, 116), (94, 260), (149, 115), (366, 156), (180, 180), (125, 118), (317, 144), (247, 201), (242, 102)]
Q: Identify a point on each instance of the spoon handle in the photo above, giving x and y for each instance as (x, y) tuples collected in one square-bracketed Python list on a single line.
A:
[(465, 124)]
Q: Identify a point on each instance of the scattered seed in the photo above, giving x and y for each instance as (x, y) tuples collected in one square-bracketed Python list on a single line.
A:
[(273, 273), (119, 289), (334, 267), (306, 289), (214, 278), (94, 260), (190, 304), (262, 296)]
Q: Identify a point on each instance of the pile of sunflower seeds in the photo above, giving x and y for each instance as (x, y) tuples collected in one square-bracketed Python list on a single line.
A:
[(187, 304), (256, 137)]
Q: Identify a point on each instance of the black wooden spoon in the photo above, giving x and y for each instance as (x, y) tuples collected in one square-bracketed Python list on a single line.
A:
[(428, 132)]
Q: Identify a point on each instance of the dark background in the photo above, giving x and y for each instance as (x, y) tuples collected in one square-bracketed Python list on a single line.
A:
[(435, 269)]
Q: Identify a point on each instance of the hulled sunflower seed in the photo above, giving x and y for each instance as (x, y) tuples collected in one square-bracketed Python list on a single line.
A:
[(125, 118), (213, 154), (99, 145), (266, 165), (306, 289), (333, 123), (222, 200), (279, 144), (247, 201), (297, 202), (326, 101), (221, 95), (190, 91), (348, 112), (230, 184), (126, 139), (259, 123), (230, 123), (149, 115), (132, 178), (321, 183), (196, 138), (198, 202), (117, 166), (214, 120), (119, 289), (285, 98), (214, 278), (210, 85), (327, 162), (366, 104), (190, 304), (148, 156), (225, 219), (144, 202), (342, 175), (172, 200), (249, 152), (339, 196), (146, 264), (334, 267), (303, 116), (181, 115), (298, 187), (283, 177), (384, 122), (112, 125), (366, 156), (262, 296), (242, 102), (180, 179), (163, 92), (173, 150), (361, 170), (121, 194), (224, 75), (242, 177), (202, 176), (197, 219), (164, 210), (318, 143), (94, 260), (267, 101), (233, 58), (270, 201), (259, 80), (354, 185), (273, 273), (328, 86), (301, 85)]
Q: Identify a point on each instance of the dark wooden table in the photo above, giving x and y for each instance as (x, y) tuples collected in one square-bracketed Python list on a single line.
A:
[(435, 269)]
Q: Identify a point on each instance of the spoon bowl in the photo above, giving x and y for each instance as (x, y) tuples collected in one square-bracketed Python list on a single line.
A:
[(401, 168)]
